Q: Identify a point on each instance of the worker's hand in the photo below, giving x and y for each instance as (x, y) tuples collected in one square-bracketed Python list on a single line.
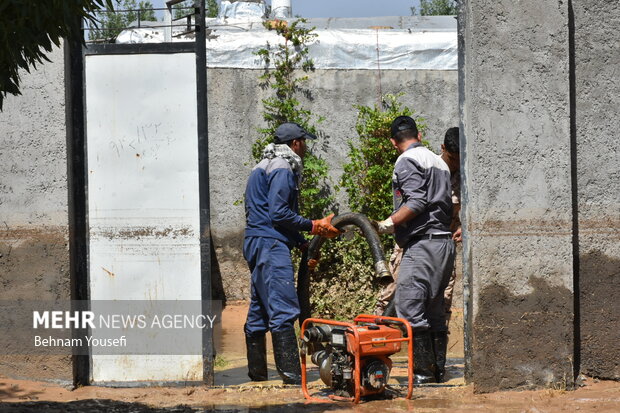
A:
[(324, 228), (385, 227), (458, 235), (312, 264)]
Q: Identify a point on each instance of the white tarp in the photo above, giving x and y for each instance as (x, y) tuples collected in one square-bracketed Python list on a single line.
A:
[(241, 10), (332, 49)]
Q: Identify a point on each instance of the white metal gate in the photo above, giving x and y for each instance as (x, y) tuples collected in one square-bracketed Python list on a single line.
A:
[(143, 195)]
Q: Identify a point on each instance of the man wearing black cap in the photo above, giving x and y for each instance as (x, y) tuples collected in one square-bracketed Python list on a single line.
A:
[(421, 226), (272, 230)]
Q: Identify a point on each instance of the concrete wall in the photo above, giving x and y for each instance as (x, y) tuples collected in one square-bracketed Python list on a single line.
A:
[(517, 199), (34, 255), (597, 128), (34, 260), (235, 114), (539, 100)]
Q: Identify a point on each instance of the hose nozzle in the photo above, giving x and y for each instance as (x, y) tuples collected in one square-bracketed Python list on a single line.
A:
[(383, 273)]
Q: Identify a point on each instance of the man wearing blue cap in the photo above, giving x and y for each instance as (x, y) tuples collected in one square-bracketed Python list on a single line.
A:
[(421, 226), (273, 226)]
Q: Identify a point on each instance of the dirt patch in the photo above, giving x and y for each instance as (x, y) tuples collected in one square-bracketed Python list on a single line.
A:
[(599, 285), (523, 341), (27, 396), (231, 276), (54, 368), (230, 342), (34, 265), (240, 395)]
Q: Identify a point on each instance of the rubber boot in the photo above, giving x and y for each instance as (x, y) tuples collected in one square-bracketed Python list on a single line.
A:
[(257, 357), (424, 367), (286, 354), (440, 346)]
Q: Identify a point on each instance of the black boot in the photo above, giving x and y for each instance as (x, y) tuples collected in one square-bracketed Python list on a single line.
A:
[(424, 364), (257, 357), (440, 345), (286, 354)]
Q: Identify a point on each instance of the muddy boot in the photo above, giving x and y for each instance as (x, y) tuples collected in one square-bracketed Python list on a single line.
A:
[(257, 357), (440, 345), (286, 354), (424, 364)]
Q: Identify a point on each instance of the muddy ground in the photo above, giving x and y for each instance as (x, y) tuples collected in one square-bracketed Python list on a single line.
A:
[(29, 396), (234, 393)]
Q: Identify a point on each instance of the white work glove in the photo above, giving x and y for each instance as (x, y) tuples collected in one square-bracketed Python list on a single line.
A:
[(386, 226)]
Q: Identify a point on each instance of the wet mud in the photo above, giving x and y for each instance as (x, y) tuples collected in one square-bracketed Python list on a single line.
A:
[(234, 392), (34, 265), (523, 341), (23, 396), (230, 270), (599, 288)]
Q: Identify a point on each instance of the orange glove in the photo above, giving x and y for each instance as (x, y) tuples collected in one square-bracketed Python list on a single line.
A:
[(312, 264), (324, 228)]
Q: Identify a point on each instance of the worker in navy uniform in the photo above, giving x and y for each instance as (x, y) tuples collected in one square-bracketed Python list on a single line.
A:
[(421, 226), (273, 226)]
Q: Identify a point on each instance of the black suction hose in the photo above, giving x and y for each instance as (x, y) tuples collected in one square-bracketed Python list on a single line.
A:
[(339, 221), (390, 309)]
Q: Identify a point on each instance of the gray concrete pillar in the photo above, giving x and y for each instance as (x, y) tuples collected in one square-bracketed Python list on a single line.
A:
[(515, 113), (597, 143)]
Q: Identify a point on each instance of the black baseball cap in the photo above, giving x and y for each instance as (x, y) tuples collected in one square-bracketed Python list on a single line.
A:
[(402, 123), (289, 131)]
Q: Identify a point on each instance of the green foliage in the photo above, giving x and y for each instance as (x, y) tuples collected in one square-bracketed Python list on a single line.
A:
[(213, 8), (344, 284), (368, 175), (436, 8), (113, 21), (220, 362), (288, 59), (185, 8), (29, 30)]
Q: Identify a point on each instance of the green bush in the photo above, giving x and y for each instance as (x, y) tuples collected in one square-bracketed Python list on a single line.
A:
[(344, 284), (288, 59)]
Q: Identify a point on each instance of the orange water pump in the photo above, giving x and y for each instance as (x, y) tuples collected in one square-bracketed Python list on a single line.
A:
[(353, 358)]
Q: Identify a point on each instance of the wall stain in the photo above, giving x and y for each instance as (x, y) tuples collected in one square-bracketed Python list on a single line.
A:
[(133, 233), (523, 341), (599, 286), (541, 227), (34, 265)]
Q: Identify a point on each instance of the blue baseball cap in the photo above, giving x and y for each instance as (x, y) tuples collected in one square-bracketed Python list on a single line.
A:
[(289, 131)]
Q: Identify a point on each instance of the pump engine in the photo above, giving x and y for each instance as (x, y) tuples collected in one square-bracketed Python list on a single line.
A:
[(353, 358)]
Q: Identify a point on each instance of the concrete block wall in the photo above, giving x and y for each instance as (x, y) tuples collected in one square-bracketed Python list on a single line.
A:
[(34, 256), (517, 198), (597, 173), (34, 253)]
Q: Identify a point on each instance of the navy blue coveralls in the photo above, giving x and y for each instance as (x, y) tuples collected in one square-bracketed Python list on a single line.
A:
[(272, 230)]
